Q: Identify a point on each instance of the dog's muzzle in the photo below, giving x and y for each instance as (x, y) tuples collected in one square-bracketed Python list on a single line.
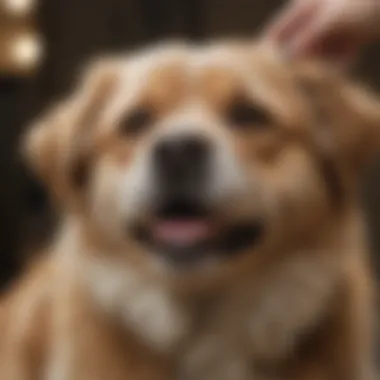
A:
[(184, 227)]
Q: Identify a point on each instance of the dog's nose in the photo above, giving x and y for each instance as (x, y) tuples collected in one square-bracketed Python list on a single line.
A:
[(182, 159)]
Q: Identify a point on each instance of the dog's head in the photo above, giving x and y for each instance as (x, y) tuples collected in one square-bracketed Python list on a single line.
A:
[(204, 157)]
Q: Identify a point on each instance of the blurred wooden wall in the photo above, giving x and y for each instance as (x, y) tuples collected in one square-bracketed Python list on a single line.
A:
[(20, 53)]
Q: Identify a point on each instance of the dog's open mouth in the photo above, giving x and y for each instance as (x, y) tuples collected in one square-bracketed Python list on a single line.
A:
[(184, 232)]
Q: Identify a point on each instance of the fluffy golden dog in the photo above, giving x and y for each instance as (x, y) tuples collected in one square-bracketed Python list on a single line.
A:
[(210, 224)]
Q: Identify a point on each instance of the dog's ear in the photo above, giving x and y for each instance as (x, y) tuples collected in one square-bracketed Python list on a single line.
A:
[(346, 115), (55, 147)]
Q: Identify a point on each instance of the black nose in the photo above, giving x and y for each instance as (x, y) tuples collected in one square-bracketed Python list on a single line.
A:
[(182, 160)]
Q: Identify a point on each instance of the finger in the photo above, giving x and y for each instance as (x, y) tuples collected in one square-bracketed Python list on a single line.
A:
[(288, 22), (310, 37)]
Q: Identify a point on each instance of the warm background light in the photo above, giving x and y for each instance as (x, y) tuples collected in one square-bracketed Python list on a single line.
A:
[(18, 7), (21, 48), (26, 50)]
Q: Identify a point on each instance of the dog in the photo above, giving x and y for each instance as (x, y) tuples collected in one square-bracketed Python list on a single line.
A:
[(211, 226)]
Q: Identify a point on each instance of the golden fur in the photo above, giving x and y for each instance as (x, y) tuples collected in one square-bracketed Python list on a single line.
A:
[(297, 307)]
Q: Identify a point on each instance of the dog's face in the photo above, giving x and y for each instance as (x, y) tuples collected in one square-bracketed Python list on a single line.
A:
[(204, 159)]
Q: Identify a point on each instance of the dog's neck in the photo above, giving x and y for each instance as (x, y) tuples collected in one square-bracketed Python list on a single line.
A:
[(153, 310)]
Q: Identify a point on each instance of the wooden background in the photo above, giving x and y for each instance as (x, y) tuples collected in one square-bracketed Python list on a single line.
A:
[(77, 30)]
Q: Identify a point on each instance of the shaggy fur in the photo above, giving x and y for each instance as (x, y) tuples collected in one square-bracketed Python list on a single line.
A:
[(297, 306)]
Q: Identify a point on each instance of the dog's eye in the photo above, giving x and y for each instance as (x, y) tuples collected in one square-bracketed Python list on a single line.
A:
[(247, 115), (136, 122)]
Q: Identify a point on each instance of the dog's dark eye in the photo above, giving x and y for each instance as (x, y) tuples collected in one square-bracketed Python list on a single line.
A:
[(245, 114), (136, 122)]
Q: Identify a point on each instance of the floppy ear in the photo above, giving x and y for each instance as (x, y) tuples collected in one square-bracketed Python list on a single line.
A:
[(56, 146), (347, 116)]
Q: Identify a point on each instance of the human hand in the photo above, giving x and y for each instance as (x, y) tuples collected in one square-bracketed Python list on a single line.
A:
[(332, 29)]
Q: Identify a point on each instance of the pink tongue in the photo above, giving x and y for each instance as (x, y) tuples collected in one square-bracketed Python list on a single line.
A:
[(182, 232)]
